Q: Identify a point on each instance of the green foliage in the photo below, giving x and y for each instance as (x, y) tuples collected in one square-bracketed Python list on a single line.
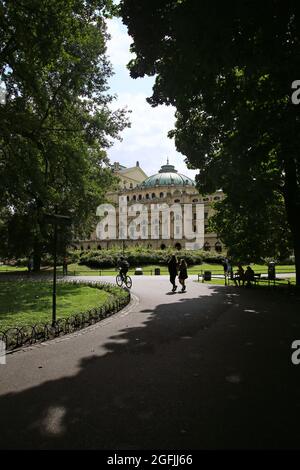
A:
[(228, 71), (56, 124), (252, 235), (137, 257)]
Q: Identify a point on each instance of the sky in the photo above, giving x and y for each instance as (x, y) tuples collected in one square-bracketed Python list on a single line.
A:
[(146, 141)]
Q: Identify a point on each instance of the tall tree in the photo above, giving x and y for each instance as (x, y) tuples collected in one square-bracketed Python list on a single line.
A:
[(228, 70), (55, 124)]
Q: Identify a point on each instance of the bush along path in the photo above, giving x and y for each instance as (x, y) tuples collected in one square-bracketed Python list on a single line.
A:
[(24, 335)]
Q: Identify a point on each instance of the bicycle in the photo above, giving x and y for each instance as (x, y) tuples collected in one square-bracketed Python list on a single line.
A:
[(123, 279)]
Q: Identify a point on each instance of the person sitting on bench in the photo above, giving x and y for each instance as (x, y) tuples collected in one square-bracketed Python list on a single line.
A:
[(239, 276), (249, 276)]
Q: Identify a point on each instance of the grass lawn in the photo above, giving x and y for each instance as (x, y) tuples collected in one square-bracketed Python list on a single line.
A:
[(76, 269), (27, 303), (7, 268)]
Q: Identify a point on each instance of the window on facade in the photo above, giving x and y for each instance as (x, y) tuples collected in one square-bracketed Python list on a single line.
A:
[(153, 195), (134, 198), (127, 198), (206, 246), (217, 198), (205, 199), (140, 197), (162, 246), (195, 200), (99, 247), (147, 196), (176, 200), (88, 247), (205, 215), (131, 186), (161, 195)]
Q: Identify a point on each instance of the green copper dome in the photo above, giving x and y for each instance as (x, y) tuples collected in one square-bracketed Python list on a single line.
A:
[(167, 176)]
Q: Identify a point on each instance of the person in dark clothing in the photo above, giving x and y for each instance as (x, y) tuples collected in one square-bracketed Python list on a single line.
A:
[(123, 266), (249, 276), (182, 274), (173, 270), (30, 264), (239, 276)]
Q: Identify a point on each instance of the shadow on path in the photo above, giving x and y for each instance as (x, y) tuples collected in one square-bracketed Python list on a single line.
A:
[(208, 372)]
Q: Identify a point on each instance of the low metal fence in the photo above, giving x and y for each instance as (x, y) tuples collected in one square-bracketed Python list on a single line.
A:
[(16, 337)]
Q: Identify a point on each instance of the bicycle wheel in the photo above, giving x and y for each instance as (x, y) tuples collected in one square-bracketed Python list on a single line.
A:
[(128, 282), (119, 280)]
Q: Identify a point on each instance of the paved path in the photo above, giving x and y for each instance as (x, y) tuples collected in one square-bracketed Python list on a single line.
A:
[(209, 368)]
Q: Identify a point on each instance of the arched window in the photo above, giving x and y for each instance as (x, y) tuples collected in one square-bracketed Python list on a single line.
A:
[(130, 186), (140, 197), (82, 249), (176, 200), (195, 200), (99, 247), (127, 198), (134, 197), (153, 195), (206, 199), (88, 247), (161, 195), (206, 246), (147, 196), (178, 246), (218, 247), (162, 246)]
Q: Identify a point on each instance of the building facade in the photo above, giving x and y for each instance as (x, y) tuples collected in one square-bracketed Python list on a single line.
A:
[(165, 187)]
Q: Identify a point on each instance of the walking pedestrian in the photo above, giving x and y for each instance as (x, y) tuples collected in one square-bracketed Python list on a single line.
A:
[(173, 270), (182, 274)]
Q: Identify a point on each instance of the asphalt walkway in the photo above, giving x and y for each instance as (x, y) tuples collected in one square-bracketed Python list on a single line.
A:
[(209, 368)]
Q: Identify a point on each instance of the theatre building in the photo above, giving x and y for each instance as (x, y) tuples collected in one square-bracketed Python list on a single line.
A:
[(167, 186)]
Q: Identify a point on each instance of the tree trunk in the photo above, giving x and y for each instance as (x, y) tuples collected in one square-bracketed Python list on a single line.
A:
[(292, 204), (297, 255)]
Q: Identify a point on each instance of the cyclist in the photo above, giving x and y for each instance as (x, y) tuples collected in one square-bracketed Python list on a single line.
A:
[(123, 267)]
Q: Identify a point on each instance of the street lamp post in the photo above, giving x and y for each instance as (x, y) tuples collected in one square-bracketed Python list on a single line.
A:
[(55, 220)]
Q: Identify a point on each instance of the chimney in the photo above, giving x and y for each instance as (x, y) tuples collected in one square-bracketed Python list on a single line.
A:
[(138, 164)]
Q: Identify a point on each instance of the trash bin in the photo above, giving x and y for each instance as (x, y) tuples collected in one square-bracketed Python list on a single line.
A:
[(207, 276), (271, 271), (157, 271), (138, 271)]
